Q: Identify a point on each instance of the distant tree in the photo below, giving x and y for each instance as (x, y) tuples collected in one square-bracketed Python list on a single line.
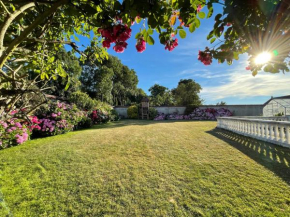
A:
[(110, 81), (160, 95), (221, 103), (186, 93), (137, 96)]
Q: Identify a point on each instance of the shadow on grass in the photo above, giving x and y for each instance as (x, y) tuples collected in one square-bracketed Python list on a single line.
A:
[(272, 157)]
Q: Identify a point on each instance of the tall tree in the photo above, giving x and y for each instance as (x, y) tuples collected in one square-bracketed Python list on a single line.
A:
[(160, 95), (110, 81), (186, 93)]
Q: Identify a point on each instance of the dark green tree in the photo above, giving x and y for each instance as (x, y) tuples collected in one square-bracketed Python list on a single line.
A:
[(186, 93), (160, 96)]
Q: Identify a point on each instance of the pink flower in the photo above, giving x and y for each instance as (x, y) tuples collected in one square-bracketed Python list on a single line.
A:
[(171, 44), (106, 33), (248, 68), (205, 57), (117, 29), (199, 8), (107, 43), (53, 115), (141, 45), (120, 47), (13, 112), (125, 35), (18, 125), (13, 128), (4, 124), (59, 113)]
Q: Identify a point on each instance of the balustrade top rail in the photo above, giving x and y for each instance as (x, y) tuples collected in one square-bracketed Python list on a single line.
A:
[(277, 118), (256, 120), (277, 132)]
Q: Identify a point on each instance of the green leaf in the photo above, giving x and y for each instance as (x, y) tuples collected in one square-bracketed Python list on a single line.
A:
[(210, 10), (67, 84), (138, 35), (138, 20), (150, 31), (182, 33), (201, 15), (192, 27), (255, 72), (197, 23), (212, 40), (236, 55), (218, 16), (150, 40)]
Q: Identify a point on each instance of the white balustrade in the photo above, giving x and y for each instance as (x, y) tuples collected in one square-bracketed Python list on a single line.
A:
[(277, 132)]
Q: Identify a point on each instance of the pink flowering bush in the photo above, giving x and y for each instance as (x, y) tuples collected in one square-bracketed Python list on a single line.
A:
[(13, 132), (197, 114), (58, 118)]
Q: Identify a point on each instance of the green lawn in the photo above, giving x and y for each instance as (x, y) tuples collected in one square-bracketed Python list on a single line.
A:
[(146, 168)]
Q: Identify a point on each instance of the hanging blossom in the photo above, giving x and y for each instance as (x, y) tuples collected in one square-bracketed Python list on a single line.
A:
[(171, 44), (141, 45), (205, 57)]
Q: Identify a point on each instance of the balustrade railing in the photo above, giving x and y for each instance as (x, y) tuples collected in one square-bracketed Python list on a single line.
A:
[(277, 132), (274, 118)]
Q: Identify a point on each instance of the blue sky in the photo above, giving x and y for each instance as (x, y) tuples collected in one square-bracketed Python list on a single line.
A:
[(220, 82)]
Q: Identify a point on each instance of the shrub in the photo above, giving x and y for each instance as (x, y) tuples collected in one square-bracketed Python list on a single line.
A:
[(82, 100), (86, 122), (132, 112), (57, 118), (152, 113), (13, 132), (189, 109), (114, 116), (197, 114)]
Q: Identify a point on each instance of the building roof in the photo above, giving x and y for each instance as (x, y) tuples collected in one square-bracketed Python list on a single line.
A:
[(279, 97)]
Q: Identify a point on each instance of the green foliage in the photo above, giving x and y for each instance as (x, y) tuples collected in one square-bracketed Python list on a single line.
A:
[(253, 27), (221, 103), (186, 93), (114, 116), (152, 113), (132, 112), (160, 95), (82, 100), (189, 109), (110, 81), (280, 114)]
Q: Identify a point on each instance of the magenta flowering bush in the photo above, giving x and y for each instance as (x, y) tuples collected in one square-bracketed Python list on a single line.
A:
[(57, 118), (197, 114), (13, 132)]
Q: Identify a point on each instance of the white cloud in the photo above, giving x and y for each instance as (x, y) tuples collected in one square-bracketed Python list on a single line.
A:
[(241, 84)]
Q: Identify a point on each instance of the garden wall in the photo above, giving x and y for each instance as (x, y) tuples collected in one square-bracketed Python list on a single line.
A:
[(237, 110)]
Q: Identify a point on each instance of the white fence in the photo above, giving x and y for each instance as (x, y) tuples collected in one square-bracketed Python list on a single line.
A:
[(273, 118), (277, 132)]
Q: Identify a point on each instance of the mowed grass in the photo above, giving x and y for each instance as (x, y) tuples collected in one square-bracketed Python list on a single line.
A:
[(146, 168)]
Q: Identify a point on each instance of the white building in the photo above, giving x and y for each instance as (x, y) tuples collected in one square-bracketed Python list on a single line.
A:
[(277, 105)]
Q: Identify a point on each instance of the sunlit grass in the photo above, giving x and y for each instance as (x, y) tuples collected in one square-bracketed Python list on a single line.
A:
[(146, 168)]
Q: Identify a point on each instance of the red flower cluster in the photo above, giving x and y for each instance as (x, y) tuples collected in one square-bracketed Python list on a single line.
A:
[(118, 34), (205, 57), (248, 68), (171, 44), (141, 45)]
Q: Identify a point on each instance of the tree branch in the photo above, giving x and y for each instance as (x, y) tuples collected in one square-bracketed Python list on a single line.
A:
[(28, 30), (8, 21)]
